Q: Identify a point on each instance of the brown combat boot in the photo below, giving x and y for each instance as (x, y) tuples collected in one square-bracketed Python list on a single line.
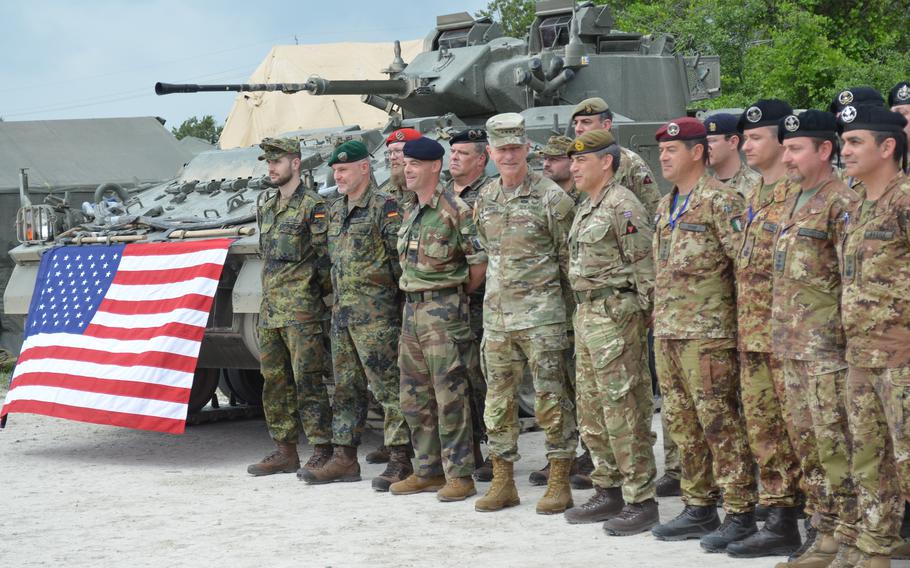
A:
[(847, 557), (558, 496), (457, 489), (416, 484), (580, 476), (342, 467), (399, 468), (322, 453), (541, 476), (502, 492), (820, 553), (902, 552), (282, 460), (379, 455), (604, 504), (633, 519)]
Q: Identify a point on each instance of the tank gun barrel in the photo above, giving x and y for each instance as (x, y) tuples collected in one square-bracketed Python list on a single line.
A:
[(315, 85)]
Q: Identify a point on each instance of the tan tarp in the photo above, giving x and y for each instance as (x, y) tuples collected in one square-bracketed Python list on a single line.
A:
[(257, 115)]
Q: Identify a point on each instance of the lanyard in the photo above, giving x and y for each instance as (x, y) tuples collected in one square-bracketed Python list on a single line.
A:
[(673, 218), (751, 214)]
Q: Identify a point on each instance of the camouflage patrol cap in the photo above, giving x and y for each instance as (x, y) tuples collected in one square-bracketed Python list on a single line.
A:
[(591, 141), (899, 95), (274, 148), (590, 107), (349, 152), (506, 129), (557, 146)]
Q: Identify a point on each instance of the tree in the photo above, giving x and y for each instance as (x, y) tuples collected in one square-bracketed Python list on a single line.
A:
[(206, 129)]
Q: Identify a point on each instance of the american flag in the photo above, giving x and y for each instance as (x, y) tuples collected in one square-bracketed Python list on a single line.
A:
[(113, 333)]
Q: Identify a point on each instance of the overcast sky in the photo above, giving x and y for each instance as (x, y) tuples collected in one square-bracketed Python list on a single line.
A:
[(95, 58)]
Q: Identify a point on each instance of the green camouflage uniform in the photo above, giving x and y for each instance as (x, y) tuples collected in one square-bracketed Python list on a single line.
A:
[(366, 315), (761, 376), (611, 272), (402, 196), (295, 276), (436, 243), (809, 341), (875, 304), (525, 235), (743, 181), (635, 174), (695, 345)]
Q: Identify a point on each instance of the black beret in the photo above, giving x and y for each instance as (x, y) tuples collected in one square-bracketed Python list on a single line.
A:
[(810, 123), (469, 135), (424, 149), (876, 119), (766, 112), (721, 123), (900, 94), (855, 97)]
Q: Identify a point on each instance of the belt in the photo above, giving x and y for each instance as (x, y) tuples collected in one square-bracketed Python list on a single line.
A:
[(591, 295), (429, 295)]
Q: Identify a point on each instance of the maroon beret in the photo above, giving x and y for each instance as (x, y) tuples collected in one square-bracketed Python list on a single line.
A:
[(683, 128), (402, 135)]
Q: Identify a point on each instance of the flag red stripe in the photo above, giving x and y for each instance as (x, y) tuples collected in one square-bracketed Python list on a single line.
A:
[(171, 248), (178, 330), (159, 359), (127, 307), (126, 420), (106, 386), (170, 276)]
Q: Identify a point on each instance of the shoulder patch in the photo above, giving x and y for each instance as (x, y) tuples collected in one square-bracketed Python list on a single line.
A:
[(390, 208), (561, 204)]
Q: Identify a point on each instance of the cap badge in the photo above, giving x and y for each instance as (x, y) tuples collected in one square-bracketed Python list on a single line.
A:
[(475, 134), (579, 145), (712, 127), (903, 93), (791, 123), (845, 98), (848, 115), (399, 135), (342, 156), (673, 129), (753, 115)]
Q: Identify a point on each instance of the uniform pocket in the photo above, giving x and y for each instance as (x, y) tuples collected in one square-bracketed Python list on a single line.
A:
[(287, 241), (900, 400)]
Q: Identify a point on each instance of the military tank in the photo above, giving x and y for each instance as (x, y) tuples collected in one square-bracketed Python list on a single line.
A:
[(467, 72)]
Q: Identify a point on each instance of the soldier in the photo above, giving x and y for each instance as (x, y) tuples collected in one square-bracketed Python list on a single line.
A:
[(467, 162), (697, 231), (295, 277), (807, 334), (556, 166), (394, 144), (442, 262), (855, 97), (611, 271), (761, 382), (724, 144), (875, 304), (899, 101), (634, 173), (366, 319), (523, 220)]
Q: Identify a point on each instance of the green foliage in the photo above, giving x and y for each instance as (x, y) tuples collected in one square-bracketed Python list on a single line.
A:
[(803, 51), (206, 129)]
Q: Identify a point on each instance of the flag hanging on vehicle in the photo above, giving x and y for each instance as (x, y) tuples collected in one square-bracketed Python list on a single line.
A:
[(113, 333)]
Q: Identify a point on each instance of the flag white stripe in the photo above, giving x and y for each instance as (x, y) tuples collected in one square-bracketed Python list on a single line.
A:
[(164, 344), (98, 401), (143, 263), (138, 373), (143, 321), (152, 292)]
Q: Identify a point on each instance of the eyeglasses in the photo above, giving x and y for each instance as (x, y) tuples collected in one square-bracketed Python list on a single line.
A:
[(391, 153)]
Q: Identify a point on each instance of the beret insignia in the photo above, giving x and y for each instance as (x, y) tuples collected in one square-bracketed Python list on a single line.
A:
[(753, 115), (399, 135), (791, 123), (845, 98), (579, 145), (848, 114), (673, 129), (712, 127), (903, 93), (343, 157)]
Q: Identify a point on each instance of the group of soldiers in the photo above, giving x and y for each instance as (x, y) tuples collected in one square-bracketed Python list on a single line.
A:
[(777, 291)]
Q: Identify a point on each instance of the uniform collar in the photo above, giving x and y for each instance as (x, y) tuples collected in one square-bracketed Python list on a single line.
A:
[(364, 199)]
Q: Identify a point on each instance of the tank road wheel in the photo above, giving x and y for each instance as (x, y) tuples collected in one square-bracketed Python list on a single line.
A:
[(244, 385), (205, 381)]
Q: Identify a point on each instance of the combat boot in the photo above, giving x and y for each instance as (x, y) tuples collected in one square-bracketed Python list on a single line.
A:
[(342, 467), (778, 537), (558, 496), (502, 492), (540, 476), (633, 519), (819, 554), (695, 521), (457, 489), (668, 486), (415, 484), (379, 455), (283, 460), (581, 472), (483, 468), (902, 552), (808, 542), (736, 526), (869, 561), (322, 453), (399, 468), (604, 504)]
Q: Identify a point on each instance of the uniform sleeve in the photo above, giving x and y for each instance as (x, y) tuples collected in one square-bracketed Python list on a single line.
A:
[(475, 216), (561, 214), (728, 210), (390, 223), (474, 251), (633, 224), (319, 227), (646, 188)]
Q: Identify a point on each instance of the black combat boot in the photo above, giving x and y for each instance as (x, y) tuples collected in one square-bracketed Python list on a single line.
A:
[(581, 471), (604, 504), (695, 521), (668, 486), (736, 526), (761, 513), (633, 519), (778, 537)]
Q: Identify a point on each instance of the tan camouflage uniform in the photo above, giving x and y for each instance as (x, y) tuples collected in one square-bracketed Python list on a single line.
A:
[(743, 180), (611, 272), (635, 174), (695, 345)]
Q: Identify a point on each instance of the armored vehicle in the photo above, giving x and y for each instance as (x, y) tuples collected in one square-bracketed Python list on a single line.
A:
[(467, 72)]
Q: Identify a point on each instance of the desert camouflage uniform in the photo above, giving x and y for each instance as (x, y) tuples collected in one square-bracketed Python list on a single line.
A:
[(366, 315), (875, 301), (295, 276), (809, 341), (612, 275), (436, 243), (635, 174), (695, 345), (743, 180), (761, 376), (524, 312)]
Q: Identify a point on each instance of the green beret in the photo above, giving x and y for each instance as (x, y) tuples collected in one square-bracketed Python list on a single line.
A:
[(556, 146), (349, 152), (591, 141), (590, 107), (274, 148)]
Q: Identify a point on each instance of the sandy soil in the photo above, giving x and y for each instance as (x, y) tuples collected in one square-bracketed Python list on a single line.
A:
[(77, 494)]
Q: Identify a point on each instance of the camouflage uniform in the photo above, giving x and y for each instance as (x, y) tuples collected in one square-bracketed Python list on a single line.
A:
[(403, 197), (524, 312), (635, 174), (295, 276), (366, 315), (695, 330), (436, 243), (875, 303), (809, 340), (612, 274), (761, 378), (744, 180)]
